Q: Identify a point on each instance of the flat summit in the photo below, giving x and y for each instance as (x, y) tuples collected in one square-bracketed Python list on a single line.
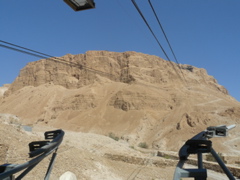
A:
[(138, 97)]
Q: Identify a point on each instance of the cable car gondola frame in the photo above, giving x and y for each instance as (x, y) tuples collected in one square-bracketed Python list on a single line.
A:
[(79, 5)]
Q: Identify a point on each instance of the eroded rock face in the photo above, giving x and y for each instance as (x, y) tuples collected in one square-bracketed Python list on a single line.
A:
[(76, 71), (137, 96), (138, 100)]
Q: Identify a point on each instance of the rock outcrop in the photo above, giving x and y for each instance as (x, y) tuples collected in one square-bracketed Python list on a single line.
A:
[(76, 71), (138, 97)]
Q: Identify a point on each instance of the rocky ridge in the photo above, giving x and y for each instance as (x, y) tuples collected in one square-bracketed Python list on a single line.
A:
[(76, 71), (138, 97)]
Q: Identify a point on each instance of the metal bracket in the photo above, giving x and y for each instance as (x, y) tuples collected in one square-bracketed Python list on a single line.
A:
[(198, 146), (37, 145)]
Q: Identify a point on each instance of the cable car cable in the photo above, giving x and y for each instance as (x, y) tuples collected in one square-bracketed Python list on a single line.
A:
[(55, 59), (21, 51), (149, 1), (48, 57), (25, 48), (118, 1), (161, 27), (144, 19)]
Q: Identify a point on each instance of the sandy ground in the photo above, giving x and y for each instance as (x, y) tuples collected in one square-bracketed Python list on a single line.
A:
[(142, 101), (84, 154), (89, 156)]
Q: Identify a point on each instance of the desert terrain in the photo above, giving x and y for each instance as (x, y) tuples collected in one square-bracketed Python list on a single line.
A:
[(108, 103), (88, 156)]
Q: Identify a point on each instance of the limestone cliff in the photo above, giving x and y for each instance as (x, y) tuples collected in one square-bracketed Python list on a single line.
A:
[(139, 97), (76, 71)]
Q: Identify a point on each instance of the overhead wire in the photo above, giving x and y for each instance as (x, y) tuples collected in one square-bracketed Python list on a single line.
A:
[(43, 55), (38, 54), (24, 48), (155, 37), (144, 19), (22, 51), (149, 1), (165, 35)]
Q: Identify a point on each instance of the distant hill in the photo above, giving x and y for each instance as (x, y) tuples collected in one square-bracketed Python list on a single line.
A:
[(138, 97)]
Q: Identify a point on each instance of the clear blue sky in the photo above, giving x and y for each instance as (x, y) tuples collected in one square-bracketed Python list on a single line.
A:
[(203, 33)]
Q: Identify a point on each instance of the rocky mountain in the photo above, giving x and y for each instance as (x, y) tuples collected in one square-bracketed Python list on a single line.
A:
[(135, 96)]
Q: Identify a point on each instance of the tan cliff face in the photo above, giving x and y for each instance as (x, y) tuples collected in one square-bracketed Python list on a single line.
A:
[(138, 97), (75, 71)]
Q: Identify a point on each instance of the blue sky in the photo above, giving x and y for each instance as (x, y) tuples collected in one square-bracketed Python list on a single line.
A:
[(203, 33)]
